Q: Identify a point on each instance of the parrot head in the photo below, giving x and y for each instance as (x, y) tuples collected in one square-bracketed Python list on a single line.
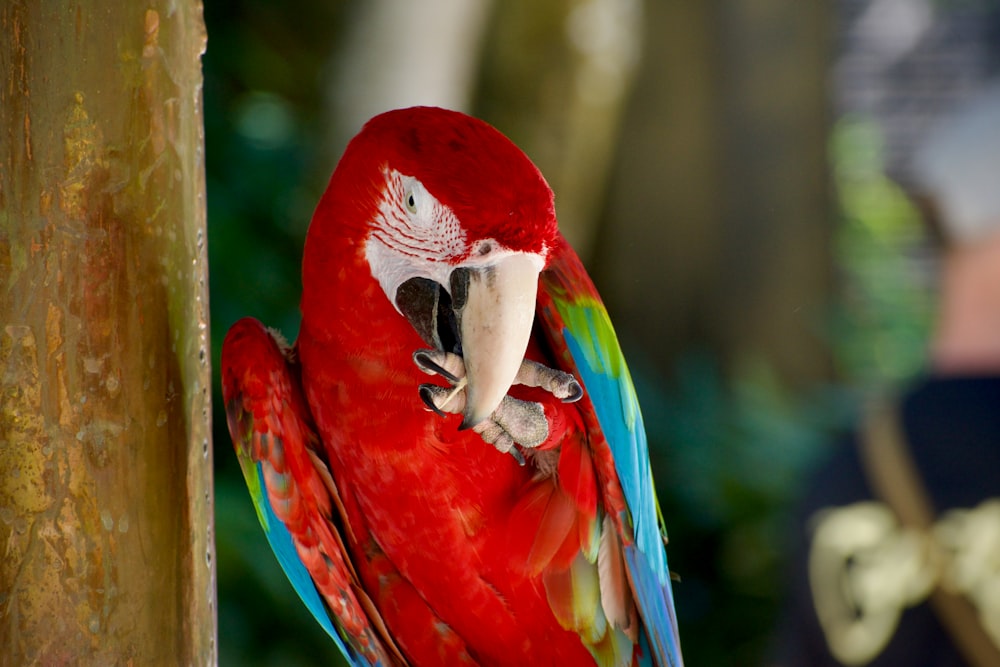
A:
[(454, 222)]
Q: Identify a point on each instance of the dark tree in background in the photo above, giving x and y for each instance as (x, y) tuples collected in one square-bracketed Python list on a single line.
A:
[(713, 254)]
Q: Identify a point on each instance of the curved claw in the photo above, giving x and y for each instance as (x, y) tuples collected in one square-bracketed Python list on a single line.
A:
[(518, 456), (425, 361), (427, 393), (575, 392)]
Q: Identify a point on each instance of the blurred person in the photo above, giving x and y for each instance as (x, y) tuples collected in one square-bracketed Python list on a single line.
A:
[(897, 557)]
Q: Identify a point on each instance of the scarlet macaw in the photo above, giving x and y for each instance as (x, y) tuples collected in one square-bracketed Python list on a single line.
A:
[(503, 513)]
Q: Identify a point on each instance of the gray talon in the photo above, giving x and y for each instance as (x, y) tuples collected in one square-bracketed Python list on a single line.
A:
[(518, 456), (574, 392)]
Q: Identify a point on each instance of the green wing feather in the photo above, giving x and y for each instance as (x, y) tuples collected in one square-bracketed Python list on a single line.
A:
[(580, 331)]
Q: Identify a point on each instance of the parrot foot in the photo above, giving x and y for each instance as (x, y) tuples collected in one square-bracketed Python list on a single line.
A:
[(531, 374), (561, 385), (514, 422)]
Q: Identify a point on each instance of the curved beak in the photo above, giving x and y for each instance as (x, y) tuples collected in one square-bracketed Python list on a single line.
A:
[(495, 308)]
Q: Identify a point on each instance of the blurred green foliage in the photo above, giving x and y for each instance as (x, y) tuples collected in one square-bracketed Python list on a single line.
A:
[(728, 455), (263, 109), (883, 254)]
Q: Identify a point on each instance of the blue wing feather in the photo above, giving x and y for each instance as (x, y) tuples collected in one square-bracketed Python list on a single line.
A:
[(618, 413), (280, 540), (296, 503), (584, 328), (284, 550)]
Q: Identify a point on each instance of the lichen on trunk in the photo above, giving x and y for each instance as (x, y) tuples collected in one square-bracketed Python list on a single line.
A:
[(105, 469)]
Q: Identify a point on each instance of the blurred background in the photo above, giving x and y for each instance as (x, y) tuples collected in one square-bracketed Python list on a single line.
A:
[(734, 175)]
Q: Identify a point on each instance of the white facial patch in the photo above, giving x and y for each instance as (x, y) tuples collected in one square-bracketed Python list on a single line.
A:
[(413, 235)]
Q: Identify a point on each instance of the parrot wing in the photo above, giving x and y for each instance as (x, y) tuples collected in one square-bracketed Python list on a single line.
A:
[(293, 492), (583, 341)]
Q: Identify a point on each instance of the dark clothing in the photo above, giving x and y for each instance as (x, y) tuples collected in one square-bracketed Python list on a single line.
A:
[(952, 429)]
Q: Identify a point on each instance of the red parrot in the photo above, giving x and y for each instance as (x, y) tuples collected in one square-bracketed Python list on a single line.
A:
[(450, 462)]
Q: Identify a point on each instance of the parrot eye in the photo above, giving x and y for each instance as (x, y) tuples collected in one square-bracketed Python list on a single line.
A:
[(411, 202)]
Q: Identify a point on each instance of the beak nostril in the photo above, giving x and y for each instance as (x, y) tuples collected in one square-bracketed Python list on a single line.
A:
[(460, 287)]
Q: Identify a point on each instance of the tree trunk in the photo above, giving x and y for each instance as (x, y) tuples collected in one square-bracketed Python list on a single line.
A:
[(401, 53), (717, 233), (105, 457)]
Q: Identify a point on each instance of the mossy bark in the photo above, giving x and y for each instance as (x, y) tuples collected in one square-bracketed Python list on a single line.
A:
[(105, 457)]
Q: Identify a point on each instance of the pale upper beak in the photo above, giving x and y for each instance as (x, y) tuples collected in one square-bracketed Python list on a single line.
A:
[(495, 309)]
